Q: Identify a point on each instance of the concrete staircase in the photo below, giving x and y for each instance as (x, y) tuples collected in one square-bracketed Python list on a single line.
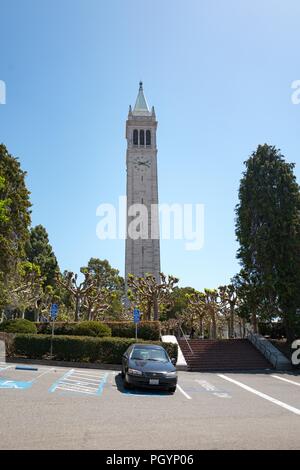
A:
[(227, 354)]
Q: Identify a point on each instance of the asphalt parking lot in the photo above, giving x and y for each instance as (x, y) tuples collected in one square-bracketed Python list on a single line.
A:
[(63, 408)]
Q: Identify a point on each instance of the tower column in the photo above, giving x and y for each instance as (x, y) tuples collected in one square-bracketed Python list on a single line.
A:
[(143, 253)]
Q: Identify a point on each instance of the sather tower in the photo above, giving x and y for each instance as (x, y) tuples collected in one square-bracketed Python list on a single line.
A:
[(142, 252)]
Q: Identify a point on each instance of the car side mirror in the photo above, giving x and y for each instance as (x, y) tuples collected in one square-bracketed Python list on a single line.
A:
[(173, 360)]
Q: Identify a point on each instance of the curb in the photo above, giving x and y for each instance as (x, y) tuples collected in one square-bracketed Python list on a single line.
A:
[(49, 362)]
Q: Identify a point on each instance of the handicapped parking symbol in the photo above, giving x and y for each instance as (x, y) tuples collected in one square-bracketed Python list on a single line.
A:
[(13, 384)]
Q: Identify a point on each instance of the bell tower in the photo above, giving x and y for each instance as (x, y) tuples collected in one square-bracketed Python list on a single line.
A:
[(143, 249)]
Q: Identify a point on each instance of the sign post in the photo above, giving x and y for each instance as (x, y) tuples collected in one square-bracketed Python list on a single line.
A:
[(136, 319), (53, 315)]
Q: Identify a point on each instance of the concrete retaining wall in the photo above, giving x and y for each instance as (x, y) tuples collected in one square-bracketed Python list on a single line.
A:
[(272, 354), (181, 362)]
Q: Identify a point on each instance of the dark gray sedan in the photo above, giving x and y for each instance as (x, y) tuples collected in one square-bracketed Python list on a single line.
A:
[(148, 365)]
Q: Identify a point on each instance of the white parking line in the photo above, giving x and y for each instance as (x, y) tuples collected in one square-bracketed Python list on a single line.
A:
[(64, 388), (285, 380), (72, 381), (43, 373), (262, 395), (76, 381), (183, 392), (88, 375), (80, 377)]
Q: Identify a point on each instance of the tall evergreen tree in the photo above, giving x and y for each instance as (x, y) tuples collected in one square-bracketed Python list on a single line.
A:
[(39, 252), (15, 211), (268, 230)]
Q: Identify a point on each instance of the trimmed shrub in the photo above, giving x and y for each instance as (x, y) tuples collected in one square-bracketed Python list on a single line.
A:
[(149, 330), (19, 325), (60, 328), (91, 328), (32, 346), (83, 349)]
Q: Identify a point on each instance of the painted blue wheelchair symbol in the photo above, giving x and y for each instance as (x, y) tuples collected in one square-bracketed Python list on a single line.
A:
[(13, 384)]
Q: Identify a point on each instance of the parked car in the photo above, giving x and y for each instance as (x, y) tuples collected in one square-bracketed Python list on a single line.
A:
[(149, 366)]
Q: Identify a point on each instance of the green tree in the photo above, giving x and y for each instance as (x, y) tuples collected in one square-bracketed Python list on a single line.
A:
[(14, 211), (178, 302), (268, 230), (4, 203), (24, 288), (39, 252), (77, 290), (228, 304), (109, 288), (196, 311), (147, 291)]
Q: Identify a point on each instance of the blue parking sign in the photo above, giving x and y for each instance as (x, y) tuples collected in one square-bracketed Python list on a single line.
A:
[(136, 315), (54, 311)]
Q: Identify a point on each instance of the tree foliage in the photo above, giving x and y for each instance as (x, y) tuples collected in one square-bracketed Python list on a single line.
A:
[(39, 252), (23, 288), (14, 211), (268, 230), (151, 295)]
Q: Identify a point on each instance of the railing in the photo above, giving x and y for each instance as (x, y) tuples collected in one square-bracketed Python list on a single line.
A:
[(262, 347), (186, 339)]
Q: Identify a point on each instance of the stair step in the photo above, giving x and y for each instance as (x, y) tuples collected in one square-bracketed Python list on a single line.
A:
[(231, 354)]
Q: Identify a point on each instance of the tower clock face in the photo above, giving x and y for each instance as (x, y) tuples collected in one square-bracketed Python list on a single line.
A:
[(141, 163)]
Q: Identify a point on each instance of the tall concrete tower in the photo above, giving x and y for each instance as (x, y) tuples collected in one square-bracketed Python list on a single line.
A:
[(142, 249)]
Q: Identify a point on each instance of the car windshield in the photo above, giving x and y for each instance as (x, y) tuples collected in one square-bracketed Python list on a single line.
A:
[(147, 354)]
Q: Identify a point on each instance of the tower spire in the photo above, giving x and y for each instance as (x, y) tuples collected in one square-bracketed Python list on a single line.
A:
[(141, 107)]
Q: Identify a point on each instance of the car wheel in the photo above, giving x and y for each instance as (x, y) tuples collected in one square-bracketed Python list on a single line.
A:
[(172, 389), (127, 385)]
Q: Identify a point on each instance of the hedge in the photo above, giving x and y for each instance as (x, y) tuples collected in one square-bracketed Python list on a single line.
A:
[(148, 330), (91, 328), (19, 325), (60, 328), (75, 348)]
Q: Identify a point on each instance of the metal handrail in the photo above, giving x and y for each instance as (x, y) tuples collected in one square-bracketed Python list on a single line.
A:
[(266, 352), (186, 339)]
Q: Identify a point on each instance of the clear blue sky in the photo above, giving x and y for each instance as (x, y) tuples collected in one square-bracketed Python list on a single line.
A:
[(219, 74)]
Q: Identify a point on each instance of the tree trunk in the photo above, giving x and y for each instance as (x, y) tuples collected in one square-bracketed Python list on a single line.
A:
[(231, 322), (148, 310), (90, 314), (155, 307), (228, 328), (213, 326), (254, 322), (244, 327), (77, 308), (240, 328), (201, 327)]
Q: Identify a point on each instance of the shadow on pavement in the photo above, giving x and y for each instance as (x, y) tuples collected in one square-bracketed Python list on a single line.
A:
[(139, 391)]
